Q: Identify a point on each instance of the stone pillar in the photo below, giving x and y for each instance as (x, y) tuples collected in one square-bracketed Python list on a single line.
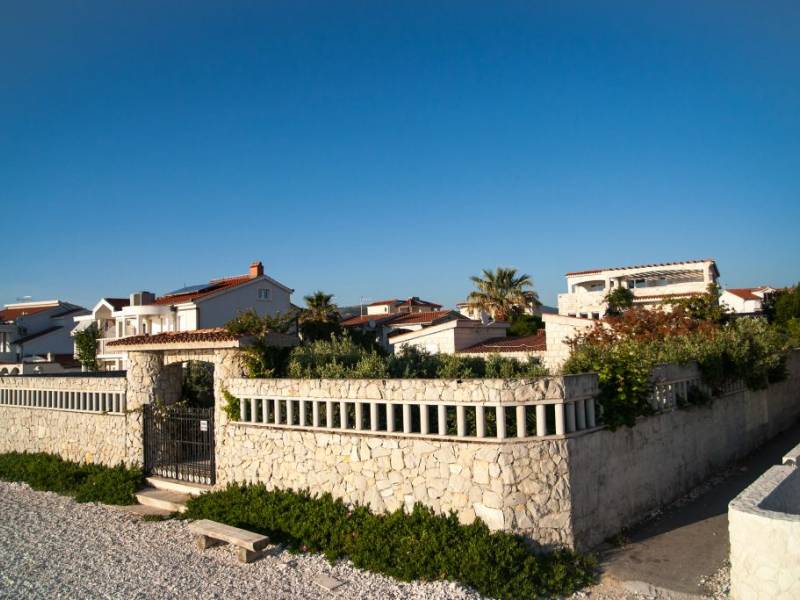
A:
[(227, 365), (144, 369)]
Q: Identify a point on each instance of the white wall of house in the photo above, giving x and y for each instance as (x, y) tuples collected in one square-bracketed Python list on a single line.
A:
[(450, 337), (559, 330), (738, 304), (217, 310)]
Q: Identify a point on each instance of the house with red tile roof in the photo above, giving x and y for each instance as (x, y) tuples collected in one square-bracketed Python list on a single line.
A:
[(33, 334), (188, 308), (745, 301), (651, 285)]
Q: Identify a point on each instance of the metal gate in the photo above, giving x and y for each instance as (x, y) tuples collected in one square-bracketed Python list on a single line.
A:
[(179, 443)]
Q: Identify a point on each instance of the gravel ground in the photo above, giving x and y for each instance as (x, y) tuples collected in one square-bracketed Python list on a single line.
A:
[(51, 547)]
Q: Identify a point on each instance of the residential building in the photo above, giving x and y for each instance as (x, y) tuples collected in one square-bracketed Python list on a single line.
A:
[(746, 301), (521, 348), (651, 285), (385, 326), (449, 337), (394, 305), (36, 332), (203, 306)]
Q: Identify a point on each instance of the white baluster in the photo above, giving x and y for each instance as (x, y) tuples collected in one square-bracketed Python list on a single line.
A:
[(276, 411), (580, 413), (302, 405), (389, 417), (500, 417), (315, 413), (522, 429), (480, 421), (560, 429), (242, 408), (373, 416), (461, 421), (590, 419), (359, 416), (570, 408), (329, 413), (343, 414), (541, 420), (441, 417), (406, 418), (424, 425), (289, 412)]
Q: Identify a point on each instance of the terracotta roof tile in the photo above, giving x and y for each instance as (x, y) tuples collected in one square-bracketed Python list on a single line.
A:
[(215, 285), (414, 301), (10, 314), (529, 343), (666, 264), (363, 319), (217, 334), (745, 293), (425, 317)]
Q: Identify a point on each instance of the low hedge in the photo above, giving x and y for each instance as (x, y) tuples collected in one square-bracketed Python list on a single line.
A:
[(86, 483), (419, 545)]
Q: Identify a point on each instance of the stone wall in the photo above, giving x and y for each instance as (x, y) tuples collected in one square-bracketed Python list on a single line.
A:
[(618, 477), (80, 436), (519, 486)]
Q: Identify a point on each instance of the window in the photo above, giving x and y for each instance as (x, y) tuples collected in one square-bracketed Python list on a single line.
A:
[(595, 315), (263, 293)]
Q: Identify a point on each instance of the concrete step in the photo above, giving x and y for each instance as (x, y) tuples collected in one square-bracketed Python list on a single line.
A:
[(143, 510), (163, 499), (173, 485)]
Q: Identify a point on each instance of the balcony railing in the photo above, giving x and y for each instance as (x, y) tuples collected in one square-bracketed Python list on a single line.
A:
[(101, 346)]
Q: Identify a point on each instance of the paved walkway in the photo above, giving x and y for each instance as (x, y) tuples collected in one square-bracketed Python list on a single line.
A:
[(670, 555)]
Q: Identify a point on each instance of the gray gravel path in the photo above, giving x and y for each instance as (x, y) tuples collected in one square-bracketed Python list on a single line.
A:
[(51, 547)]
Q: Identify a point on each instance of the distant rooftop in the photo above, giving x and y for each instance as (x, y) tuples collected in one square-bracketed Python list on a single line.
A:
[(648, 266)]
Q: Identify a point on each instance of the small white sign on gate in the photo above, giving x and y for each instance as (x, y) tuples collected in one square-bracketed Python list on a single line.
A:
[(203, 425)]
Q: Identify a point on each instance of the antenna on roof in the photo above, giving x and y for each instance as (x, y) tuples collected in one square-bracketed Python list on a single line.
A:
[(363, 300)]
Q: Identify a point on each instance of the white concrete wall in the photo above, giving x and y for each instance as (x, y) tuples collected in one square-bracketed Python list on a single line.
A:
[(618, 477), (558, 331), (764, 527)]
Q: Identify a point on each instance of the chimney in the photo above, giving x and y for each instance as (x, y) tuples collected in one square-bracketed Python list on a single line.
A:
[(256, 270)]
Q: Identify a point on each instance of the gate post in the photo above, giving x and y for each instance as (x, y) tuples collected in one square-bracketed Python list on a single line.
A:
[(144, 369)]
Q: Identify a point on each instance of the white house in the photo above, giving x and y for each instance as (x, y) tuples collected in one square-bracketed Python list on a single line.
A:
[(651, 285), (201, 306), (745, 300), (450, 337), (35, 336)]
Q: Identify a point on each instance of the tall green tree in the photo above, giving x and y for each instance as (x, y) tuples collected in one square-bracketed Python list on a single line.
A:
[(503, 293), (86, 347), (619, 300), (320, 319)]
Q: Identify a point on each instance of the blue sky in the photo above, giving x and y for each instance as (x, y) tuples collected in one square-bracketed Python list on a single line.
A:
[(389, 149)]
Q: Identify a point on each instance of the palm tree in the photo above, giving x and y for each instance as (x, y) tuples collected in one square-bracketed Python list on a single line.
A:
[(319, 308), (502, 293)]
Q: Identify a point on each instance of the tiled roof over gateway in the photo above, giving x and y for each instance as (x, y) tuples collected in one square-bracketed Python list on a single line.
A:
[(217, 334)]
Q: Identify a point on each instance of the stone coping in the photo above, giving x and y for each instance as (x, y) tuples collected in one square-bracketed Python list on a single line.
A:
[(751, 499), (792, 457)]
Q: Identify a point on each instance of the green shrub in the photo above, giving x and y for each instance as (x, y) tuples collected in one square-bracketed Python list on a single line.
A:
[(419, 545), (623, 351), (86, 483), (232, 406)]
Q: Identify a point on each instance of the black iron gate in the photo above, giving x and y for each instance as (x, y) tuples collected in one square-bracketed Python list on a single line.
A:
[(179, 443)]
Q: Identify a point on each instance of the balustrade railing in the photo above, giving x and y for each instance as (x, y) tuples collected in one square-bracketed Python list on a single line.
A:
[(76, 400), (488, 421)]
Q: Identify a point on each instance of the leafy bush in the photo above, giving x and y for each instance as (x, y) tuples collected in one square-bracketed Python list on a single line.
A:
[(232, 406), (86, 346), (624, 350), (86, 483), (419, 545), (522, 325), (340, 358)]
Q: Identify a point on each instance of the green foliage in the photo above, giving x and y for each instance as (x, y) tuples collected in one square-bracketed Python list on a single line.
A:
[(619, 300), (340, 358), (503, 293), (197, 388), (783, 310), (523, 325), (415, 546), (86, 347), (86, 483), (261, 359), (705, 307), (320, 319), (233, 405), (624, 351)]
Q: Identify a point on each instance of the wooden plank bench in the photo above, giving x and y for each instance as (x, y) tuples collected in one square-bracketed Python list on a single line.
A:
[(208, 533)]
